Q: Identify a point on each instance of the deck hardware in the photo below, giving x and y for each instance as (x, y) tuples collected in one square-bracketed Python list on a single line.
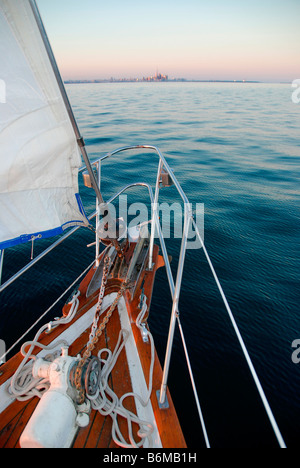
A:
[(33, 238), (87, 178), (144, 333), (165, 405), (166, 180)]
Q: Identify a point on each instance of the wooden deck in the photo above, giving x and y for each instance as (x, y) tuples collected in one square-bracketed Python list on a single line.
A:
[(14, 418)]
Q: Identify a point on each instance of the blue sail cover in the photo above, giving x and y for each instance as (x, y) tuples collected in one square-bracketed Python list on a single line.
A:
[(39, 155)]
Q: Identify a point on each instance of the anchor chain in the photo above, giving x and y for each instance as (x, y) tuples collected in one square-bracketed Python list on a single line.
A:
[(101, 296), (96, 333)]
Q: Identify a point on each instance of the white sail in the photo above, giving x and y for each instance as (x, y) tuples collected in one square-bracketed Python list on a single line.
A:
[(39, 155)]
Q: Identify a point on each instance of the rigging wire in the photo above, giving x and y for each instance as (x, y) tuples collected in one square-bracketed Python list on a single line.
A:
[(207, 443), (46, 312), (243, 346)]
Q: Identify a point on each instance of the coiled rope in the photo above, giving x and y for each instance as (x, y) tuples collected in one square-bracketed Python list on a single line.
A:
[(23, 385), (107, 403)]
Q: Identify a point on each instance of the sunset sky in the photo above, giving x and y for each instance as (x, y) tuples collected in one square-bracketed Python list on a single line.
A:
[(195, 39)]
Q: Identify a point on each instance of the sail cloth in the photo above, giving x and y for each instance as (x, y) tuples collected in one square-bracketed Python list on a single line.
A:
[(39, 155)]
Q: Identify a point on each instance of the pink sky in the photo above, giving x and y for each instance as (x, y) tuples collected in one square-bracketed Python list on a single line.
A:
[(254, 40)]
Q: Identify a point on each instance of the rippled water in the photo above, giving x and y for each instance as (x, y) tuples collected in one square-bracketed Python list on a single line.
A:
[(235, 148)]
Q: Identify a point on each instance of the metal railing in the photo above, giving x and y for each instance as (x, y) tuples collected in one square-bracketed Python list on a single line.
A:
[(175, 286)]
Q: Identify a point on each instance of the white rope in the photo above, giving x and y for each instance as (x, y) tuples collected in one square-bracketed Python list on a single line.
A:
[(23, 385), (108, 404), (146, 331), (243, 346)]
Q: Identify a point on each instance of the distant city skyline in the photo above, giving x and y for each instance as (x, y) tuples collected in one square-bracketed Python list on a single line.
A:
[(156, 78), (255, 40)]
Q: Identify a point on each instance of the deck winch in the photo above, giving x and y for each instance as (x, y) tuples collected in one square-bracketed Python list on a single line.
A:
[(58, 416)]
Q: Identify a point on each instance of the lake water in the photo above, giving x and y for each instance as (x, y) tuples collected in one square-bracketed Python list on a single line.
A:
[(235, 148)]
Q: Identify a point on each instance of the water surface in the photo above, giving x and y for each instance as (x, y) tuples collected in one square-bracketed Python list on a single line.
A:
[(235, 148)]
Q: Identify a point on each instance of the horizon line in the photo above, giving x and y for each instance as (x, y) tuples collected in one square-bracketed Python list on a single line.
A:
[(172, 80)]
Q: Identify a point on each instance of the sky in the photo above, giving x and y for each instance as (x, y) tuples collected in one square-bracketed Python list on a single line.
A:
[(192, 39)]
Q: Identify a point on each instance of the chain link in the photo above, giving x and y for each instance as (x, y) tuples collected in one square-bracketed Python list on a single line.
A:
[(106, 268), (96, 331)]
